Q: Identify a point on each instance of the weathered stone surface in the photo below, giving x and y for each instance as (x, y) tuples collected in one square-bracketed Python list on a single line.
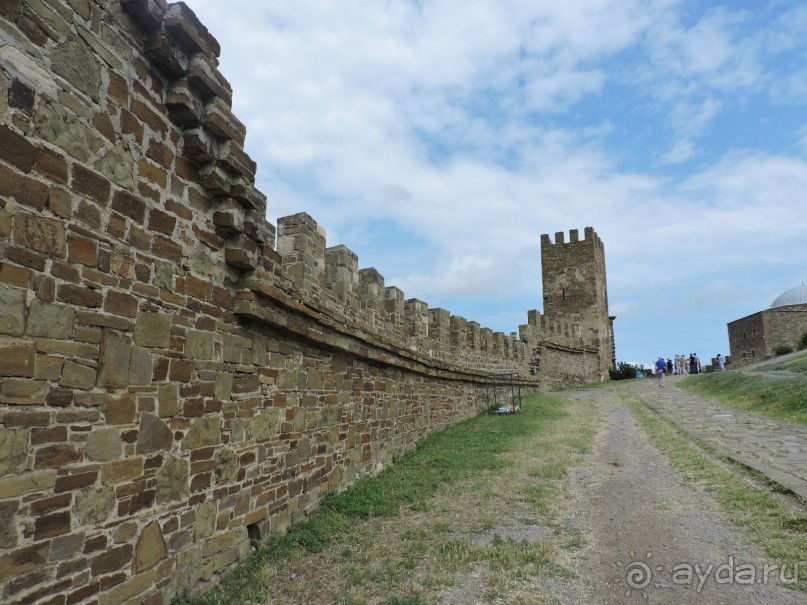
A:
[(300, 453), (78, 376), (188, 568), (238, 430), (172, 480), (40, 233), (12, 310), (22, 391), (226, 466), (140, 366), (234, 347), (204, 431), (205, 520), (64, 547), (17, 360), (8, 522), (50, 320), (104, 445), (223, 386), (264, 425), (120, 410), (150, 548), (152, 330), (118, 164), (168, 400), (93, 504), (20, 561), (199, 345), (57, 125), (74, 61), (116, 356), (17, 485), (153, 435), (164, 276)]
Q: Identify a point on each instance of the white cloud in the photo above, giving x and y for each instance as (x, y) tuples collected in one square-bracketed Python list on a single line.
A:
[(681, 151)]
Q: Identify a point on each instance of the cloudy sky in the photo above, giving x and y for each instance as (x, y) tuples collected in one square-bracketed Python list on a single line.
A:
[(439, 139)]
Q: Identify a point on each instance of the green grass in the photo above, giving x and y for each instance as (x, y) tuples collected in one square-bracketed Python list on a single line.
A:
[(797, 365), (458, 452), (774, 524), (777, 396)]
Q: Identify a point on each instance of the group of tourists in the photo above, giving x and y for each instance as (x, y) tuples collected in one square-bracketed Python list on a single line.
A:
[(683, 365)]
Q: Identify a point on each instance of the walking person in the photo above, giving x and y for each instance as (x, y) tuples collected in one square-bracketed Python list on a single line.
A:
[(693, 366), (661, 367), (721, 363)]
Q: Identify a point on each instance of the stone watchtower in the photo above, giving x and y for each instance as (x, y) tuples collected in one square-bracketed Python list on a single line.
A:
[(575, 290)]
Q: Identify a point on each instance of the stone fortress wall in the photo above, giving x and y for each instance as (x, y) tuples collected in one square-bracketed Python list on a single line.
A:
[(179, 380)]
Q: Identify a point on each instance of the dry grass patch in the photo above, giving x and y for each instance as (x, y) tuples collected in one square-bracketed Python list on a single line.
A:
[(487, 537)]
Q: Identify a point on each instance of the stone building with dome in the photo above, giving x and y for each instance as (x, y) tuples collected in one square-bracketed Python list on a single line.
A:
[(782, 324)]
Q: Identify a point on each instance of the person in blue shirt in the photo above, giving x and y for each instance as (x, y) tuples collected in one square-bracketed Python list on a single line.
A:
[(661, 368)]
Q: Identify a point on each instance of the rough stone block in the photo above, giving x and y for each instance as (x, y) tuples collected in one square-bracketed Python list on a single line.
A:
[(153, 435), (141, 366), (91, 184), (116, 353), (76, 63), (120, 303), (16, 149), (219, 119), (200, 345), (122, 470), (23, 391), (78, 376), (203, 432), (153, 330), (94, 504), (80, 295), (171, 59), (172, 480), (23, 189), (17, 360), (12, 310), (182, 23), (13, 450), (147, 13), (50, 320), (150, 548), (241, 253), (129, 205), (23, 560), (40, 233)]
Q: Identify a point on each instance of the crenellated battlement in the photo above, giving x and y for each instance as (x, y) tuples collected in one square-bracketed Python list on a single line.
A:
[(589, 237)]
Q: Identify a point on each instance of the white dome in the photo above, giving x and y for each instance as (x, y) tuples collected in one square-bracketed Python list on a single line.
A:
[(794, 296)]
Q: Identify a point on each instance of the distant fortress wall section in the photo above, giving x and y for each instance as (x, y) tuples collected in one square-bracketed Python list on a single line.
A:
[(179, 378)]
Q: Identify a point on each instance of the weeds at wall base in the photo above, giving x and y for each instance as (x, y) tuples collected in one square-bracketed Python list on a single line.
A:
[(455, 453)]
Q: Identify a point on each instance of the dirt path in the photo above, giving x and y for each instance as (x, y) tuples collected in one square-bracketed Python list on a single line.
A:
[(648, 533)]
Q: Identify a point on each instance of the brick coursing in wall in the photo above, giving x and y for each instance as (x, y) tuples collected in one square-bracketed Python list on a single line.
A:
[(177, 376)]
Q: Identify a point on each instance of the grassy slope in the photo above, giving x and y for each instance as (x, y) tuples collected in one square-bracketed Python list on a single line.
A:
[(780, 392)]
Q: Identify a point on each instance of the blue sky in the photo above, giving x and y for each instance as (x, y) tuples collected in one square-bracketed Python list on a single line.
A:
[(439, 139)]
